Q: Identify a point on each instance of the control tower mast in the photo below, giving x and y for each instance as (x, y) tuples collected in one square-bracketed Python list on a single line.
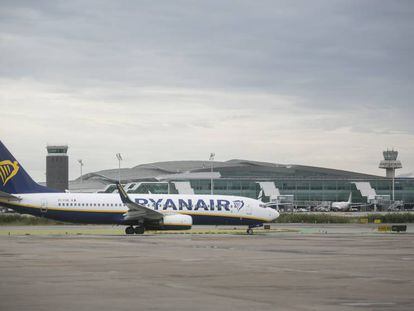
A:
[(390, 163)]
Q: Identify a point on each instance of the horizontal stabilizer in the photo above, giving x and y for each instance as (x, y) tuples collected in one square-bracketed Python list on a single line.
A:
[(8, 196)]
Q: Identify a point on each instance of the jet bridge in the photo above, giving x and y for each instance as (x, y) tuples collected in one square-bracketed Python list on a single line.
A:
[(366, 190), (183, 187), (269, 189)]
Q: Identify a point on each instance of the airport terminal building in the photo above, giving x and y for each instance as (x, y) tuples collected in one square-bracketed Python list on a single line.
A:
[(304, 185)]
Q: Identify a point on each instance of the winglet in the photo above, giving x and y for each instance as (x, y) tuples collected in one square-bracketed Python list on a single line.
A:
[(122, 193), (135, 210)]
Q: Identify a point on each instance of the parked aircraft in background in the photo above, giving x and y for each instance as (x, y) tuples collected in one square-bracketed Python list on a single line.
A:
[(346, 206)]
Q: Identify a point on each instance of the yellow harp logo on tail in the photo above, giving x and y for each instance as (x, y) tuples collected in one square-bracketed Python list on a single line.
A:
[(8, 170)]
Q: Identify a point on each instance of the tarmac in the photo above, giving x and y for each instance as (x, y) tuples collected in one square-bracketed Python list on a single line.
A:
[(291, 267)]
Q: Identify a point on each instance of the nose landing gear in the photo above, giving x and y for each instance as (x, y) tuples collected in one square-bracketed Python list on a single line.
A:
[(249, 230), (136, 230)]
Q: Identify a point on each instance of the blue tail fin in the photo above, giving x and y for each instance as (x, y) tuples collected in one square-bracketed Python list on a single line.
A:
[(13, 177)]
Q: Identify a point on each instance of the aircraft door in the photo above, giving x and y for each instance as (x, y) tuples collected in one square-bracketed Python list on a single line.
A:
[(43, 206), (248, 209)]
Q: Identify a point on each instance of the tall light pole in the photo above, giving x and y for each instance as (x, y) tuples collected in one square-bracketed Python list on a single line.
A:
[(212, 155), (81, 165), (393, 188), (119, 157)]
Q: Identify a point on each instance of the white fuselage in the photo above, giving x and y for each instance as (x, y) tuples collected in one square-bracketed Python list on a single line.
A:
[(108, 208), (340, 206)]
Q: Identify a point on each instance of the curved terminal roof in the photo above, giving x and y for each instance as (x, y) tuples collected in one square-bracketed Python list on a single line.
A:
[(243, 169)]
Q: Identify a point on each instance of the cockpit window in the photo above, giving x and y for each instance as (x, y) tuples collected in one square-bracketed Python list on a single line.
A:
[(262, 205)]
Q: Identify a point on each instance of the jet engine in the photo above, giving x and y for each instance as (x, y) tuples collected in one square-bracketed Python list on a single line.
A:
[(173, 222)]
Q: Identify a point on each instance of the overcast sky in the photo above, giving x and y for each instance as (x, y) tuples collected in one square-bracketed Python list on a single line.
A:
[(323, 83)]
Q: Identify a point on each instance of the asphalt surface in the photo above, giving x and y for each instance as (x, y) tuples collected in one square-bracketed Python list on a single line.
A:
[(331, 267)]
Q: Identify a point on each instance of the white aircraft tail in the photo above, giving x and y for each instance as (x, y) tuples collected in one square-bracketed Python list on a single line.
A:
[(350, 198)]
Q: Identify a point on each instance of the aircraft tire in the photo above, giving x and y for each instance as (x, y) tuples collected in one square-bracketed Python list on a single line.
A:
[(249, 231), (139, 230), (129, 230)]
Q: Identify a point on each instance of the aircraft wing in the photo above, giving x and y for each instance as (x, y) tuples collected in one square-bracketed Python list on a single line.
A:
[(135, 210), (358, 205)]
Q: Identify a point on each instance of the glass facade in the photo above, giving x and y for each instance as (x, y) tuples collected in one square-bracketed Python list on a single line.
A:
[(154, 187), (311, 189)]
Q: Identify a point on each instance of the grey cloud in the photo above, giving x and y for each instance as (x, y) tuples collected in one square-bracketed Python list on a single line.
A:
[(308, 65)]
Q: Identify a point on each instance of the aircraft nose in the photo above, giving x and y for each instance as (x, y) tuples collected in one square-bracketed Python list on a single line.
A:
[(273, 213)]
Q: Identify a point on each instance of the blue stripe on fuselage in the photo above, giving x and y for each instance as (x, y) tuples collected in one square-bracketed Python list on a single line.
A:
[(88, 217), (71, 216)]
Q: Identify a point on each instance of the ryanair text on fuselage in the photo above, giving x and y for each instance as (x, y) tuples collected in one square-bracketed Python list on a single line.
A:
[(190, 205)]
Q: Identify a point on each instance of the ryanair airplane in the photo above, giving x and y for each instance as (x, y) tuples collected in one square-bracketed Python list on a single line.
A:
[(139, 212)]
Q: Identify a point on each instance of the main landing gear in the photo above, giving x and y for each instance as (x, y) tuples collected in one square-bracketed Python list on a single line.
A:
[(136, 230), (249, 231)]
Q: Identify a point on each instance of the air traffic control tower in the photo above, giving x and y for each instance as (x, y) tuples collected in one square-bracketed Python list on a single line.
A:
[(57, 167), (390, 163)]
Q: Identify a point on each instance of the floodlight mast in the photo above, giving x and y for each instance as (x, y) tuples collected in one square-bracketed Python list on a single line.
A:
[(80, 161), (212, 155), (119, 157)]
